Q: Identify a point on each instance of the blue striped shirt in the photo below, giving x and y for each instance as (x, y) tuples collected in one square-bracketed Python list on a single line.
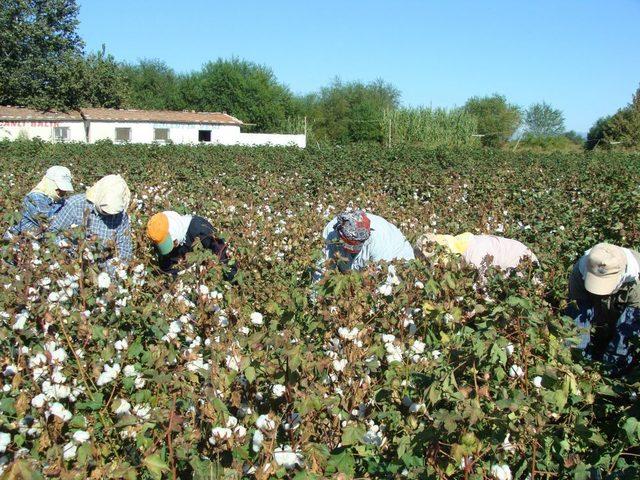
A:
[(36, 207), (80, 211)]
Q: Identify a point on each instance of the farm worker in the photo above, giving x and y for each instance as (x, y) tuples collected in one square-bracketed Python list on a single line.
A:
[(44, 201), (102, 211), (356, 238), (174, 235), (605, 288), (481, 251)]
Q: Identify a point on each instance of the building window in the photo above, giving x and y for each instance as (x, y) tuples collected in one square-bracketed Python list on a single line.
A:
[(123, 135), (61, 134), (204, 135), (160, 134)]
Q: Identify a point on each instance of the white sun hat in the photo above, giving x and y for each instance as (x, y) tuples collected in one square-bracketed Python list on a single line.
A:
[(61, 176)]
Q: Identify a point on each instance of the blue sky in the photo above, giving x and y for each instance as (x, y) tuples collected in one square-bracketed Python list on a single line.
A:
[(581, 56)]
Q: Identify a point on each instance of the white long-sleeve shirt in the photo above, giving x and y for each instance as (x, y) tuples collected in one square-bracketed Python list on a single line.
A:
[(386, 243)]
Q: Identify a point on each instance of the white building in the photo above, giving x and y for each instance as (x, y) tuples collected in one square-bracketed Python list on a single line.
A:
[(90, 125)]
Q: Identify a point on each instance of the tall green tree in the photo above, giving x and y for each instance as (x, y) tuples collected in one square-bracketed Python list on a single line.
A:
[(497, 119), (104, 83), (351, 112), (596, 133), (620, 129), (542, 120), (249, 91), (39, 53), (153, 85)]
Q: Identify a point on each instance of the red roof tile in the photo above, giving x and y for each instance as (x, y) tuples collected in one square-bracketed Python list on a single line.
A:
[(8, 113)]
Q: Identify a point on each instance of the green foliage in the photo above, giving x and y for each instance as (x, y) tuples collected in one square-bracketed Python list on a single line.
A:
[(430, 127), (244, 89), (596, 133), (623, 128), (618, 131), (561, 143), (542, 120), (39, 53), (451, 399), (103, 82), (497, 119), (351, 112), (153, 85)]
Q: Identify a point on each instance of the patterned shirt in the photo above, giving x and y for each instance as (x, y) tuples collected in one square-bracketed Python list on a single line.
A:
[(80, 211), (36, 207)]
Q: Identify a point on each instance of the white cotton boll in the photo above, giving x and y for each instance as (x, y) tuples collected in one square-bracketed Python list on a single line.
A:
[(507, 446), (5, 440), (80, 436), (197, 365), (436, 354), (265, 423), (385, 290), (57, 376), (203, 290), (219, 434), (57, 409), (418, 346), (388, 338), (256, 441), (58, 355), (233, 362), (537, 381), (419, 284), (240, 431), (339, 365), (104, 281), (417, 407), (516, 371), (129, 371), (232, 421), (69, 451), (501, 472), (121, 344), (21, 320), (123, 407), (38, 401), (10, 370), (55, 391), (143, 412), (509, 349), (287, 458), (278, 390), (108, 375), (347, 334), (139, 382), (244, 330), (257, 318), (53, 297), (139, 268)]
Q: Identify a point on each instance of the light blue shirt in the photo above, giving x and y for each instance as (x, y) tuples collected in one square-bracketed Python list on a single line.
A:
[(386, 243)]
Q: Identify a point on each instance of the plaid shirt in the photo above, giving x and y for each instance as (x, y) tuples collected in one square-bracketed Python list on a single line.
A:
[(105, 227), (36, 207)]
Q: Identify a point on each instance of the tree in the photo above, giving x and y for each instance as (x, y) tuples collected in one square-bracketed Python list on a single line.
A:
[(241, 88), (497, 119), (103, 81), (596, 133), (621, 128), (542, 120), (351, 112), (39, 52), (153, 85)]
